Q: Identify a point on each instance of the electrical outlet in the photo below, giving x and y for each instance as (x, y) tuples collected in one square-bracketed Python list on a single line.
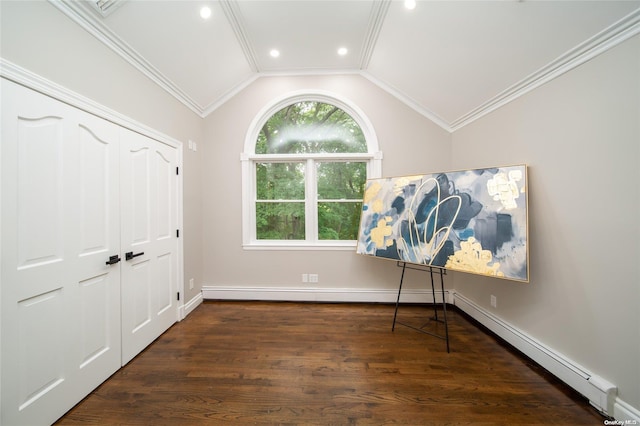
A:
[(313, 278), (191, 284), (494, 301), (305, 278)]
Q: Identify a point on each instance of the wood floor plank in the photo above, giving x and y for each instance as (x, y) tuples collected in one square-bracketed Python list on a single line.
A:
[(271, 363)]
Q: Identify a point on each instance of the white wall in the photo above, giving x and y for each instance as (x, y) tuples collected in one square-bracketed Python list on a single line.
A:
[(39, 38), (410, 144), (580, 135)]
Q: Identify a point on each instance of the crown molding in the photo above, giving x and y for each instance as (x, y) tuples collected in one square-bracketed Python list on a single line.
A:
[(77, 12), (411, 103), (233, 14), (310, 72), (376, 20), (608, 38), (221, 100), (242, 85)]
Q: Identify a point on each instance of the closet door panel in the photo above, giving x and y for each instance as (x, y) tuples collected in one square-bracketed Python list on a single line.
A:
[(165, 288), (96, 178), (149, 279), (95, 319), (36, 147), (41, 373), (47, 338), (139, 286), (165, 230), (138, 185), (165, 233), (40, 166), (96, 224)]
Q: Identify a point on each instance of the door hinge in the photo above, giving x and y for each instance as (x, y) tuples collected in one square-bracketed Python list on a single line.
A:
[(178, 294), (177, 170), (177, 233)]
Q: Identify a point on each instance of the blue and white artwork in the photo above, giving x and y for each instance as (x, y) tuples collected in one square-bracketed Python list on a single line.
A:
[(471, 221)]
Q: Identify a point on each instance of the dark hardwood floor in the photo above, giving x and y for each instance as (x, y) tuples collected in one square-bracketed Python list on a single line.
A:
[(260, 363)]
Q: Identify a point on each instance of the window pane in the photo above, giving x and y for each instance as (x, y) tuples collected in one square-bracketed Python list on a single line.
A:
[(339, 221), (280, 181), (280, 221), (341, 181), (310, 127)]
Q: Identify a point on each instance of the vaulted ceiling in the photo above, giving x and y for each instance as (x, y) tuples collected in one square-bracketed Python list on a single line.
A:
[(452, 61)]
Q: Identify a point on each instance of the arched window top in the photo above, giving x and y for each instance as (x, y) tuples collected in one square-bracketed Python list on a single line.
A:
[(310, 122), (307, 127)]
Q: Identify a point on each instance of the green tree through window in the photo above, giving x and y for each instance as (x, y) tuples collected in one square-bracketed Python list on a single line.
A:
[(310, 127), (338, 185), (318, 193)]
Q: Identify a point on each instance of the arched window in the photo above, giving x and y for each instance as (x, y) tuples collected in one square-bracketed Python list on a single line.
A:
[(307, 157)]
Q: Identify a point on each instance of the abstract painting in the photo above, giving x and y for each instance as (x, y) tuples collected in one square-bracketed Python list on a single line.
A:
[(471, 221)]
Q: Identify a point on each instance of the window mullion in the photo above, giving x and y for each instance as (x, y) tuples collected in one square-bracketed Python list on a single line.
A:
[(251, 197), (311, 202)]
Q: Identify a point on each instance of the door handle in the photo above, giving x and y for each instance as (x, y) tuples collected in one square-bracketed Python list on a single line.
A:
[(129, 255), (113, 259)]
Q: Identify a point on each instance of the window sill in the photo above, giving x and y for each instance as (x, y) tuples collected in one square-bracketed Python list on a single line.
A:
[(302, 245)]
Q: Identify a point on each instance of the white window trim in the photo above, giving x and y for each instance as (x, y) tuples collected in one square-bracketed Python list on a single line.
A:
[(373, 158)]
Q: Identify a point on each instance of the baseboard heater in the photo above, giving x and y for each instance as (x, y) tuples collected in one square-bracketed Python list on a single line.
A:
[(600, 393)]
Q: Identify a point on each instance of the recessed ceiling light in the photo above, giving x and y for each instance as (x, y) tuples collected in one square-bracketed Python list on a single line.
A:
[(343, 51), (205, 12), (274, 53), (410, 4)]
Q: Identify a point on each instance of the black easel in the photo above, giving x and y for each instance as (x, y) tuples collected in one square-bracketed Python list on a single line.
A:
[(429, 269)]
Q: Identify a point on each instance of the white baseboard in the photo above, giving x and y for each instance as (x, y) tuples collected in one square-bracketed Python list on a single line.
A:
[(625, 412), (297, 294), (189, 306)]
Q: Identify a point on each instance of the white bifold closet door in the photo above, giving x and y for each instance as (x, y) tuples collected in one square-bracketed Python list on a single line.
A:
[(149, 227), (78, 193)]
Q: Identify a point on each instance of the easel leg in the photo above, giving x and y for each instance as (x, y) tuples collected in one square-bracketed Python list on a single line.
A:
[(395, 314), (444, 310), (435, 304), (433, 292)]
